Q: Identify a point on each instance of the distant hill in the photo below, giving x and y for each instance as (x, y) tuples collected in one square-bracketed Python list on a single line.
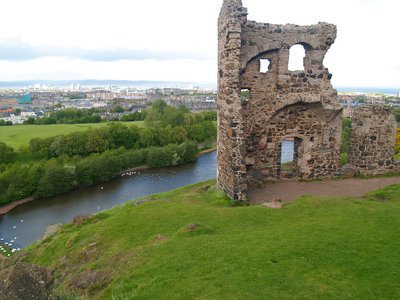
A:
[(101, 83), (366, 90)]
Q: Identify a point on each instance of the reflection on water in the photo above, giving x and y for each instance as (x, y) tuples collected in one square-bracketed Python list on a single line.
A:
[(27, 223)]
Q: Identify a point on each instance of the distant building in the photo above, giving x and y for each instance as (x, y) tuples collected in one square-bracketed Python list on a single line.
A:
[(25, 99), (8, 101)]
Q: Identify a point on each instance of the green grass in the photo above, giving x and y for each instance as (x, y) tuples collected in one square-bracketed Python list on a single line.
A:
[(313, 248), (19, 135), (344, 159)]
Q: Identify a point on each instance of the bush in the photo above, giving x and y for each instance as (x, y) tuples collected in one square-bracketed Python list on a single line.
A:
[(7, 153), (346, 127), (159, 157), (397, 147)]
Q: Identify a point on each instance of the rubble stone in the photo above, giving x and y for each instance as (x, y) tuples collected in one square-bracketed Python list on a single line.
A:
[(372, 140), (301, 105)]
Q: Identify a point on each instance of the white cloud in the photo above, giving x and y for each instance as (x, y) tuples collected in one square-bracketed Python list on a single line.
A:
[(56, 68), (365, 52)]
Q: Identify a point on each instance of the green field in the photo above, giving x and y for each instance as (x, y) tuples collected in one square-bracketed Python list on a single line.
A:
[(192, 244), (19, 135)]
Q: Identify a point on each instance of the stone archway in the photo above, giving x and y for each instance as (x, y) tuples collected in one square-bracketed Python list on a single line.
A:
[(314, 133)]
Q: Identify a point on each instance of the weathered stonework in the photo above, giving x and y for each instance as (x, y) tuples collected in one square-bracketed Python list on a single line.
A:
[(372, 140), (301, 105)]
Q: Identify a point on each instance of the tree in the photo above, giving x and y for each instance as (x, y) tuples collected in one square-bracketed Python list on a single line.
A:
[(118, 133), (56, 179), (7, 153), (132, 137), (97, 140), (146, 138), (152, 117), (209, 115), (30, 121), (172, 117), (159, 105), (118, 109)]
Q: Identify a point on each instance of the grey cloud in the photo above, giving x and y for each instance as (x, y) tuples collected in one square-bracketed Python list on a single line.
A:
[(18, 50)]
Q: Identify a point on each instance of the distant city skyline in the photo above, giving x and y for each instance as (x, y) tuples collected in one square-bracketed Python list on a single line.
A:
[(176, 40)]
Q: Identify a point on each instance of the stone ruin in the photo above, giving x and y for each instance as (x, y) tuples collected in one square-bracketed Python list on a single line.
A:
[(373, 136), (298, 105)]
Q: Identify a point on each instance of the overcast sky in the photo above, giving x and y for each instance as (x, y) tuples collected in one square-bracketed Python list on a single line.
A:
[(176, 40)]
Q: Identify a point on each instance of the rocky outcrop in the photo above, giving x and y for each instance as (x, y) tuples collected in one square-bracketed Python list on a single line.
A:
[(51, 230), (80, 219), (25, 281)]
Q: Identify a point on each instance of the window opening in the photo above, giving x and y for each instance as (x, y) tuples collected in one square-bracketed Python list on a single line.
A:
[(264, 65), (296, 58)]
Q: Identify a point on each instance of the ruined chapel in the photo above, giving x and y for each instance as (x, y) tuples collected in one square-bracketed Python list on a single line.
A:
[(261, 104)]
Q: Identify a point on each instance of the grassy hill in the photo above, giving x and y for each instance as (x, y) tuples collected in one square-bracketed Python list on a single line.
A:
[(192, 244), (18, 135)]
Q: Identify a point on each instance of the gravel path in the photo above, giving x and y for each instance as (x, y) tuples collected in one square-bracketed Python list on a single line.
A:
[(290, 190)]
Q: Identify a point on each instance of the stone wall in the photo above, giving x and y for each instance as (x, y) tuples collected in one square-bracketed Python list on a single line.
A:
[(231, 167), (316, 154), (301, 105), (372, 140)]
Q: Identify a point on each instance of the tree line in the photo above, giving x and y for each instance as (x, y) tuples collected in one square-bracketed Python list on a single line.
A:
[(58, 175), (68, 116), (79, 159), (115, 135)]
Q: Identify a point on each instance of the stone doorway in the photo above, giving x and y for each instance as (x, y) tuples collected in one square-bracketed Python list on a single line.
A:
[(290, 155)]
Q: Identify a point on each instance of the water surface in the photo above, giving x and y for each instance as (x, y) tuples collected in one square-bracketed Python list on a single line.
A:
[(27, 223)]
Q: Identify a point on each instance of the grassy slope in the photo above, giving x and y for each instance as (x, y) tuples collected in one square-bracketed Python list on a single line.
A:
[(18, 135), (313, 248)]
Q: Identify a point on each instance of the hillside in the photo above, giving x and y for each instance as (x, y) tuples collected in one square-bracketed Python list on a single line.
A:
[(192, 244)]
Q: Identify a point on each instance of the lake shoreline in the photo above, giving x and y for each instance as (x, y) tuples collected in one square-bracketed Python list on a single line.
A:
[(10, 206)]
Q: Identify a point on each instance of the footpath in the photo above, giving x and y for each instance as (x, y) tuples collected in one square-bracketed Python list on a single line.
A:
[(287, 191)]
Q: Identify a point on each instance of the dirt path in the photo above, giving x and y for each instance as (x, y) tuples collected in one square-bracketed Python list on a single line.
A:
[(290, 190)]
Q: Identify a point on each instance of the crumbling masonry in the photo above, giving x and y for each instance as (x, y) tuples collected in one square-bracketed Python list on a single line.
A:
[(373, 136), (299, 105)]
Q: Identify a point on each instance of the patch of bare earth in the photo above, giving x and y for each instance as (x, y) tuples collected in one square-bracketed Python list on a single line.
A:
[(287, 191)]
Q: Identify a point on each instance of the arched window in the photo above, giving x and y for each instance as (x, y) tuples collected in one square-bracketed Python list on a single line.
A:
[(296, 58)]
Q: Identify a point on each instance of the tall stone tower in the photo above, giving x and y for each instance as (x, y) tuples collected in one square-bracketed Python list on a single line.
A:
[(281, 104)]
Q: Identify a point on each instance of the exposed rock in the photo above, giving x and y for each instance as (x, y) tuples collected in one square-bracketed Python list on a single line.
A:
[(80, 219), (26, 281), (275, 204), (192, 227), (161, 238), (142, 201), (64, 260), (51, 230), (89, 280), (348, 171)]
